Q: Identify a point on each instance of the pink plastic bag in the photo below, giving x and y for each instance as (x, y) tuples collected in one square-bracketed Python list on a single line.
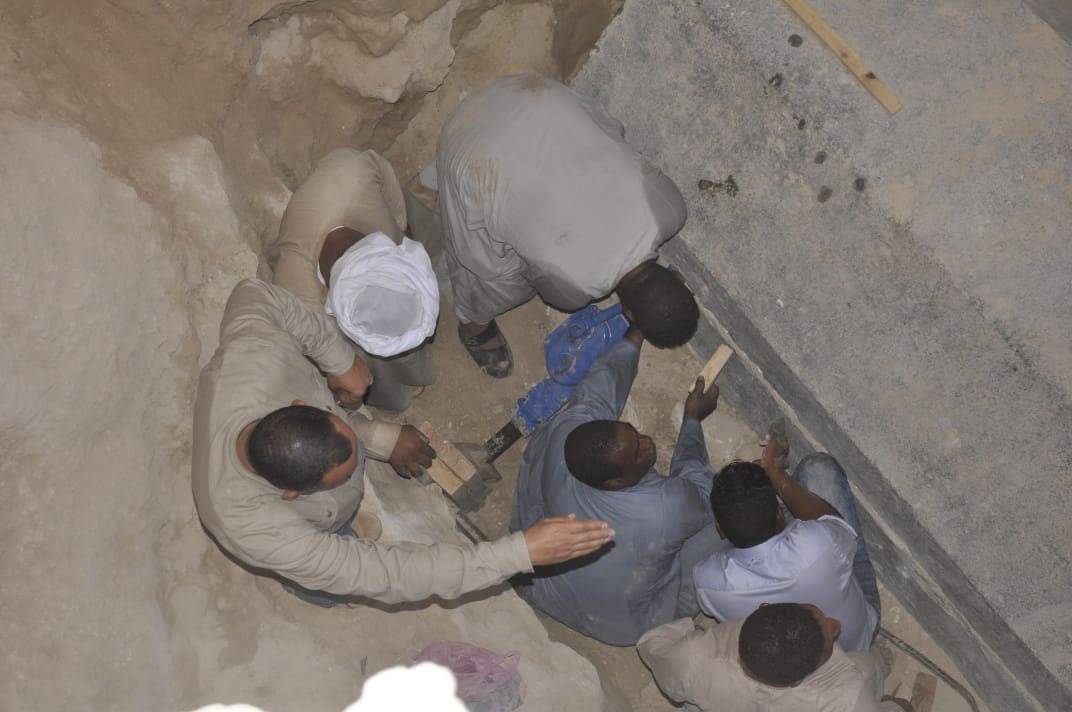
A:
[(487, 681)]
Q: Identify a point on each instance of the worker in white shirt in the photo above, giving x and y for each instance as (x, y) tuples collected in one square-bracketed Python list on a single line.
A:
[(818, 558)]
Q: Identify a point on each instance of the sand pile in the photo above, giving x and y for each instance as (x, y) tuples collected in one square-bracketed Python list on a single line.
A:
[(147, 149)]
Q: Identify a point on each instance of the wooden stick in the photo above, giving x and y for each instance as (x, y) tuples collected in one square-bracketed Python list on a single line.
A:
[(444, 477), (450, 455), (846, 54), (714, 366)]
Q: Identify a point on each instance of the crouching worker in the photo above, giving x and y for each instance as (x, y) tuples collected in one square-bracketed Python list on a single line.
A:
[(819, 557), (342, 247), (278, 474), (586, 461), (782, 657)]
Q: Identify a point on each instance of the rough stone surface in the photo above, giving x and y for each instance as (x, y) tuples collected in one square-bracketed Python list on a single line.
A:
[(147, 151), (918, 328)]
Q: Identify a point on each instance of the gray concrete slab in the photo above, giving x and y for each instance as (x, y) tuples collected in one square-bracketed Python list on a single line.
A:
[(1058, 13), (905, 296)]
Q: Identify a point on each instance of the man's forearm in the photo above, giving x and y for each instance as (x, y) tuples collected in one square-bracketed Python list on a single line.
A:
[(605, 388), (690, 460), (802, 504)]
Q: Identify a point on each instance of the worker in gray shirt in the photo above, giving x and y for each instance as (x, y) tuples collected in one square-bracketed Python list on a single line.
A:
[(540, 194), (586, 461)]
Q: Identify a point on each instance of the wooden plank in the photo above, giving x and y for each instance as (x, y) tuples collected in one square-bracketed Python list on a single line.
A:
[(444, 477), (923, 692), (714, 365), (450, 455), (846, 54)]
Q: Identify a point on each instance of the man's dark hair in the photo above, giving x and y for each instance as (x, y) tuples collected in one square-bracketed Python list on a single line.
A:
[(662, 306), (745, 504), (589, 449), (781, 644), (294, 447)]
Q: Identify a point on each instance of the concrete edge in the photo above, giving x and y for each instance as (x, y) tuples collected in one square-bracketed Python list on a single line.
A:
[(928, 582)]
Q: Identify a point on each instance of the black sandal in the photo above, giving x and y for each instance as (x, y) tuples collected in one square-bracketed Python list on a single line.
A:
[(488, 359)]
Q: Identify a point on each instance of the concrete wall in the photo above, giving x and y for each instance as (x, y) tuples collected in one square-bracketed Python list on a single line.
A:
[(1058, 13), (898, 285)]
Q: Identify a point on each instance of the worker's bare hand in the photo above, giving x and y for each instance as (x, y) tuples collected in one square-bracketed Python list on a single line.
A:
[(775, 452), (557, 539), (411, 453), (900, 702), (701, 403), (350, 388)]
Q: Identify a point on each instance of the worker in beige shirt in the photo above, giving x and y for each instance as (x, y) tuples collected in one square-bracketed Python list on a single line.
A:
[(342, 246), (782, 657), (277, 472)]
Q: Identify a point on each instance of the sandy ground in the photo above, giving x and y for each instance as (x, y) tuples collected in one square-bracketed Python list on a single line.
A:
[(469, 407)]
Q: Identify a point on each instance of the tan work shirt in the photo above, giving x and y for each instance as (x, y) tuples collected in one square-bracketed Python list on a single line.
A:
[(703, 669), (267, 340)]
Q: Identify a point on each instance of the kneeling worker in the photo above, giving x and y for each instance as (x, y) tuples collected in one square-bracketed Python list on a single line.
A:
[(278, 475), (586, 461)]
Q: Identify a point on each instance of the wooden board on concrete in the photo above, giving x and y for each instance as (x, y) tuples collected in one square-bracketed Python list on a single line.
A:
[(448, 454), (846, 54)]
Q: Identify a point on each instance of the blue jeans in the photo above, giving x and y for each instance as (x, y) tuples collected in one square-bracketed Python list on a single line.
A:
[(321, 598), (821, 474)]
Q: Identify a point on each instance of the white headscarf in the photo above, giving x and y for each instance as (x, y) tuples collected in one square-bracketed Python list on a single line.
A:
[(384, 296)]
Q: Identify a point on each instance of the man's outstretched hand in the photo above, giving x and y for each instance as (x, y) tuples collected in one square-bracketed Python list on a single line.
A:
[(350, 388), (557, 539), (411, 453), (701, 404)]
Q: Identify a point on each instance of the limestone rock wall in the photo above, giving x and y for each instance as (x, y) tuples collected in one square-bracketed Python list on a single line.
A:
[(147, 151)]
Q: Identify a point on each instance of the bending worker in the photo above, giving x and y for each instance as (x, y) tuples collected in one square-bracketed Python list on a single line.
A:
[(278, 474), (342, 247), (540, 194), (585, 460)]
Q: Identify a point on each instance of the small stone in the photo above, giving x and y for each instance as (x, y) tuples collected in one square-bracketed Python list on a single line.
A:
[(824, 193), (775, 81), (796, 40), (705, 185), (860, 184), (801, 123), (820, 157)]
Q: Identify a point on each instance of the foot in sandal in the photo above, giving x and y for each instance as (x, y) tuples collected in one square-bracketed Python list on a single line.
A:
[(488, 347)]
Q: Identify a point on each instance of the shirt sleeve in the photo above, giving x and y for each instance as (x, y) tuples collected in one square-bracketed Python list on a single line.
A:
[(387, 572), (842, 536), (379, 436), (690, 461), (259, 309), (603, 391), (669, 653)]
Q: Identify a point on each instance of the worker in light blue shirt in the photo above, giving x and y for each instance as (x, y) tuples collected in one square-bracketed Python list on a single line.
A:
[(585, 460)]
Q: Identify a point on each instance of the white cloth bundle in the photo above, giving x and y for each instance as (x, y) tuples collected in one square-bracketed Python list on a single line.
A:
[(384, 296)]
